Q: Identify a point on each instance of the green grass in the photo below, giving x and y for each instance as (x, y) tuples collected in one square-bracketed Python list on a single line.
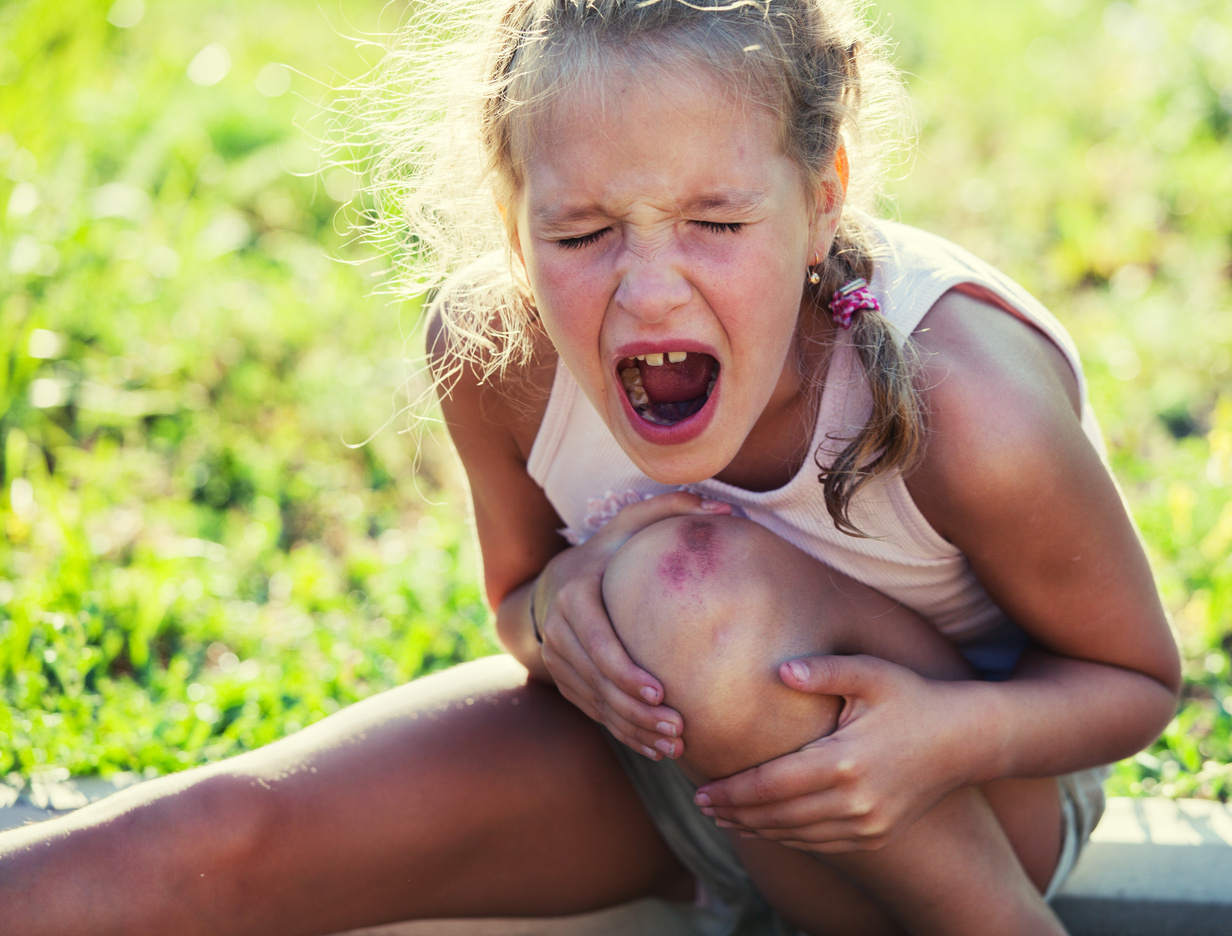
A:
[(1083, 147), (192, 562)]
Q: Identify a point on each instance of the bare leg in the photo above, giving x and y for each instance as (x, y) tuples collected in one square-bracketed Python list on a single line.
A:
[(712, 607), (468, 793)]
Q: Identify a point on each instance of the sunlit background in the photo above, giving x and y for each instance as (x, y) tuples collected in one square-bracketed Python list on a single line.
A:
[(195, 562)]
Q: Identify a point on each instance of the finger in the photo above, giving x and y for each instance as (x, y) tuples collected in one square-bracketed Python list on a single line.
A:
[(657, 718), (789, 814), (635, 693), (820, 834), (734, 827), (638, 516), (837, 836), (654, 723), (571, 685), (610, 659), (576, 691), (583, 686), (858, 675), (787, 777), (836, 846)]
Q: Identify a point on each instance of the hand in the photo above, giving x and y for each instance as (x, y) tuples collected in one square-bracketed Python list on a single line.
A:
[(897, 751), (581, 650)]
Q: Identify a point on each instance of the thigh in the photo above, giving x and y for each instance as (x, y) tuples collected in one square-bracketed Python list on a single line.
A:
[(474, 792), (469, 793)]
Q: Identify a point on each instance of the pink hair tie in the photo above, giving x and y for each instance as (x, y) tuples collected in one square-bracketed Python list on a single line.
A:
[(849, 299)]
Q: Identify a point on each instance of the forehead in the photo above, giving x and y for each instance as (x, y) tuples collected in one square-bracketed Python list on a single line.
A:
[(667, 130)]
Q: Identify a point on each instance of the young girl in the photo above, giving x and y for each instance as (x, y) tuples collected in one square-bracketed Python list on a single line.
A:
[(796, 519)]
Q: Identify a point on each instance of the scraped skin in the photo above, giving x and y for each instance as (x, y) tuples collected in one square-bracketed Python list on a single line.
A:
[(714, 607)]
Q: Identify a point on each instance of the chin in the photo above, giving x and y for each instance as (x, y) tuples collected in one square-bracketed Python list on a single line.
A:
[(674, 463)]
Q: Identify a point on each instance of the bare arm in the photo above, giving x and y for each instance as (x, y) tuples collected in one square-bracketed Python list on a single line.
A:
[(1009, 477), (514, 522), (493, 431), (1011, 480)]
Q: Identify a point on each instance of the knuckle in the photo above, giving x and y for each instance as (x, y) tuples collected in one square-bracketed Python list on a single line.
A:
[(871, 827), (763, 790), (827, 667), (620, 709), (861, 807), (597, 645), (847, 769)]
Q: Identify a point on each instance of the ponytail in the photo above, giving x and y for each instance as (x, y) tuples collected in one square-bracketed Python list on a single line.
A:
[(892, 440)]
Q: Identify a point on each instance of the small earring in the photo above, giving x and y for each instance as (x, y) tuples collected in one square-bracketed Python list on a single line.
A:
[(814, 277)]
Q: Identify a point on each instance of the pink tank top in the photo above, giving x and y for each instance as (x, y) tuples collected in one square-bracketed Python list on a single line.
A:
[(587, 476)]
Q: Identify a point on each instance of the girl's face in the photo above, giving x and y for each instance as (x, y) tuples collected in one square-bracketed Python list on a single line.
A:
[(666, 239)]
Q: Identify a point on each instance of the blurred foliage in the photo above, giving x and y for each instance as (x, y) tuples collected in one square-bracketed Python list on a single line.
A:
[(1084, 148), (194, 563)]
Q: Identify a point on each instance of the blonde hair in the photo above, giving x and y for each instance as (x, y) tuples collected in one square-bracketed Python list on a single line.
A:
[(443, 119)]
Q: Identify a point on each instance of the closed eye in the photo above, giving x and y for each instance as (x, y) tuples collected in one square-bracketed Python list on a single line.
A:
[(585, 240), (720, 227)]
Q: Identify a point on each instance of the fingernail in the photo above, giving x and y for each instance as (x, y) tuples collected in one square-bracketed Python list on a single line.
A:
[(650, 694), (723, 823), (666, 728), (651, 753), (701, 799), (667, 747), (799, 670), (708, 504), (707, 811)]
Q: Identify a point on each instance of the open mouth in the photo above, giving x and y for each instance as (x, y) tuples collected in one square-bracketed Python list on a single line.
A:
[(668, 386)]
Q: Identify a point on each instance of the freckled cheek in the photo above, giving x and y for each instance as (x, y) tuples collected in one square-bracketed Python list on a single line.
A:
[(564, 278), (751, 283), (572, 302)]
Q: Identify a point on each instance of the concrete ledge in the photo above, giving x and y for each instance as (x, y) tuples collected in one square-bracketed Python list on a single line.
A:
[(1152, 868)]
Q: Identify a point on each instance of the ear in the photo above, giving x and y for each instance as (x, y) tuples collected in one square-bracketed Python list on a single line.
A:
[(831, 195)]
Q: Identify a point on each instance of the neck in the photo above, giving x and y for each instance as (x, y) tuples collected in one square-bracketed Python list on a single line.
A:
[(782, 437)]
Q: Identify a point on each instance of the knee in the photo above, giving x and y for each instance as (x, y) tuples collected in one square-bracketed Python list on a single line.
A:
[(712, 607), (687, 588), (211, 831)]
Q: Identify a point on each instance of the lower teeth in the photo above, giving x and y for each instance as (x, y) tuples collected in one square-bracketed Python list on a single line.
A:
[(660, 414)]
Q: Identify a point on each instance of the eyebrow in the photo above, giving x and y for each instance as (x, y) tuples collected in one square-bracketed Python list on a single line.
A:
[(737, 200), (554, 217)]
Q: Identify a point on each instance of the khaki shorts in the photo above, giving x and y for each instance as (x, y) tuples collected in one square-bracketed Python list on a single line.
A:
[(729, 904)]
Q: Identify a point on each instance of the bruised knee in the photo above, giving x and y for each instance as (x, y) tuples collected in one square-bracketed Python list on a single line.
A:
[(712, 606)]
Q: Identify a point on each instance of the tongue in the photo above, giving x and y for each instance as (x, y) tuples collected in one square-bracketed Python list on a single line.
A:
[(675, 383)]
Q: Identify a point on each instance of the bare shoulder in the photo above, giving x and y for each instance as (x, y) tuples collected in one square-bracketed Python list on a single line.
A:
[(1002, 408), (493, 416), (1010, 478), (501, 406)]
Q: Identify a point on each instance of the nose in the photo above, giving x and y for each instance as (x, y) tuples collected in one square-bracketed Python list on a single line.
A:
[(651, 289)]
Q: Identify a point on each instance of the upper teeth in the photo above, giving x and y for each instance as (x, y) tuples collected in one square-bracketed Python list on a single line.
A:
[(656, 359)]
